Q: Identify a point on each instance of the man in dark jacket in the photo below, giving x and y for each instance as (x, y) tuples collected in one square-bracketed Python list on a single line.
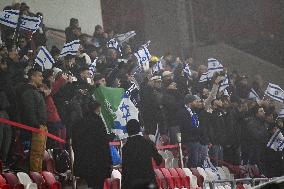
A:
[(34, 114), (217, 130), (137, 156), (258, 135), (190, 129), (91, 146)]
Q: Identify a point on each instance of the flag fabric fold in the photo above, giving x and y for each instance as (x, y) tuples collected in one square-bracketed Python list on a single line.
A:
[(275, 92), (203, 78), (70, 48), (253, 95), (276, 142), (30, 23), (143, 56), (92, 66), (214, 66), (9, 18), (44, 59)]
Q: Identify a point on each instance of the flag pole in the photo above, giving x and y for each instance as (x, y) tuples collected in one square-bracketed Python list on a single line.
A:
[(16, 33)]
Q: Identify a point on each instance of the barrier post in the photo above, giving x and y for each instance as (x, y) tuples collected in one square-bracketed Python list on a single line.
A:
[(180, 149)]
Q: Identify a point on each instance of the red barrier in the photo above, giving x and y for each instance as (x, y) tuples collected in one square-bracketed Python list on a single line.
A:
[(32, 129)]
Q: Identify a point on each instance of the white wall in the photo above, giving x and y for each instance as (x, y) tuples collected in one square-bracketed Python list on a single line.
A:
[(57, 13)]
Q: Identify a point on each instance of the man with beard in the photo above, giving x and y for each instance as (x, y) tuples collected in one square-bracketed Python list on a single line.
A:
[(258, 135)]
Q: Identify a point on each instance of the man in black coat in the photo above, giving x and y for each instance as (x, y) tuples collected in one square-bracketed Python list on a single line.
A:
[(137, 156), (92, 160), (258, 138)]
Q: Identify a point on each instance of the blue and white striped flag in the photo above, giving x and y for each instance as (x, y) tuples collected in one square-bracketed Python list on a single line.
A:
[(203, 77), (253, 95), (207, 164), (9, 18), (143, 56), (44, 59), (275, 92), (30, 23), (214, 66), (276, 142), (186, 71), (70, 48), (224, 84), (92, 66), (133, 93), (157, 67)]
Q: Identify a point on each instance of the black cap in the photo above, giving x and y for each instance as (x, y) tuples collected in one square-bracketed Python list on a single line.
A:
[(133, 127)]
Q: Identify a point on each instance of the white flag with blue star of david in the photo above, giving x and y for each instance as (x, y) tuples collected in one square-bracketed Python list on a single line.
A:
[(9, 18), (70, 48), (30, 23), (186, 71), (125, 112), (157, 67), (44, 59), (276, 142), (214, 66), (275, 92), (143, 56)]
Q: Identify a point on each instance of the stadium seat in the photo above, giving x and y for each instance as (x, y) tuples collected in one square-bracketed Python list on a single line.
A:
[(50, 180), (175, 163), (168, 163), (184, 178), (26, 180), (202, 172), (162, 183), (169, 178), (177, 178), (227, 173), (112, 183), (193, 179), (38, 179), (13, 181), (199, 177), (3, 184)]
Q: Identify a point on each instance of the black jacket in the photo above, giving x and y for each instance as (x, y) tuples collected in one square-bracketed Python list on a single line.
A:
[(137, 156), (257, 132), (217, 128), (91, 150), (189, 133), (33, 108)]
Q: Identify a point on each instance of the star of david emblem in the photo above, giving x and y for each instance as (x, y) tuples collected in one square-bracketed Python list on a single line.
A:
[(44, 60), (125, 110), (214, 64), (23, 23), (276, 93), (143, 58), (6, 16)]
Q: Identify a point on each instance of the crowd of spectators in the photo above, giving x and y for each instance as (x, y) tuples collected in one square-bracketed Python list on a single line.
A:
[(227, 125)]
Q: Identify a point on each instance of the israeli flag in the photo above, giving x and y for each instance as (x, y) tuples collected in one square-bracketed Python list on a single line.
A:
[(203, 77), (133, 93), (113, 43), (186, 71), (92, 66), (44, 59), (281, 113), (125, 112), (157, 67), (224, 85), (70, 48), (143, 56), (9, 18), (214, 66), (207, 164), (30, 23), (253, 95), (275, 92), (276, 142)]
